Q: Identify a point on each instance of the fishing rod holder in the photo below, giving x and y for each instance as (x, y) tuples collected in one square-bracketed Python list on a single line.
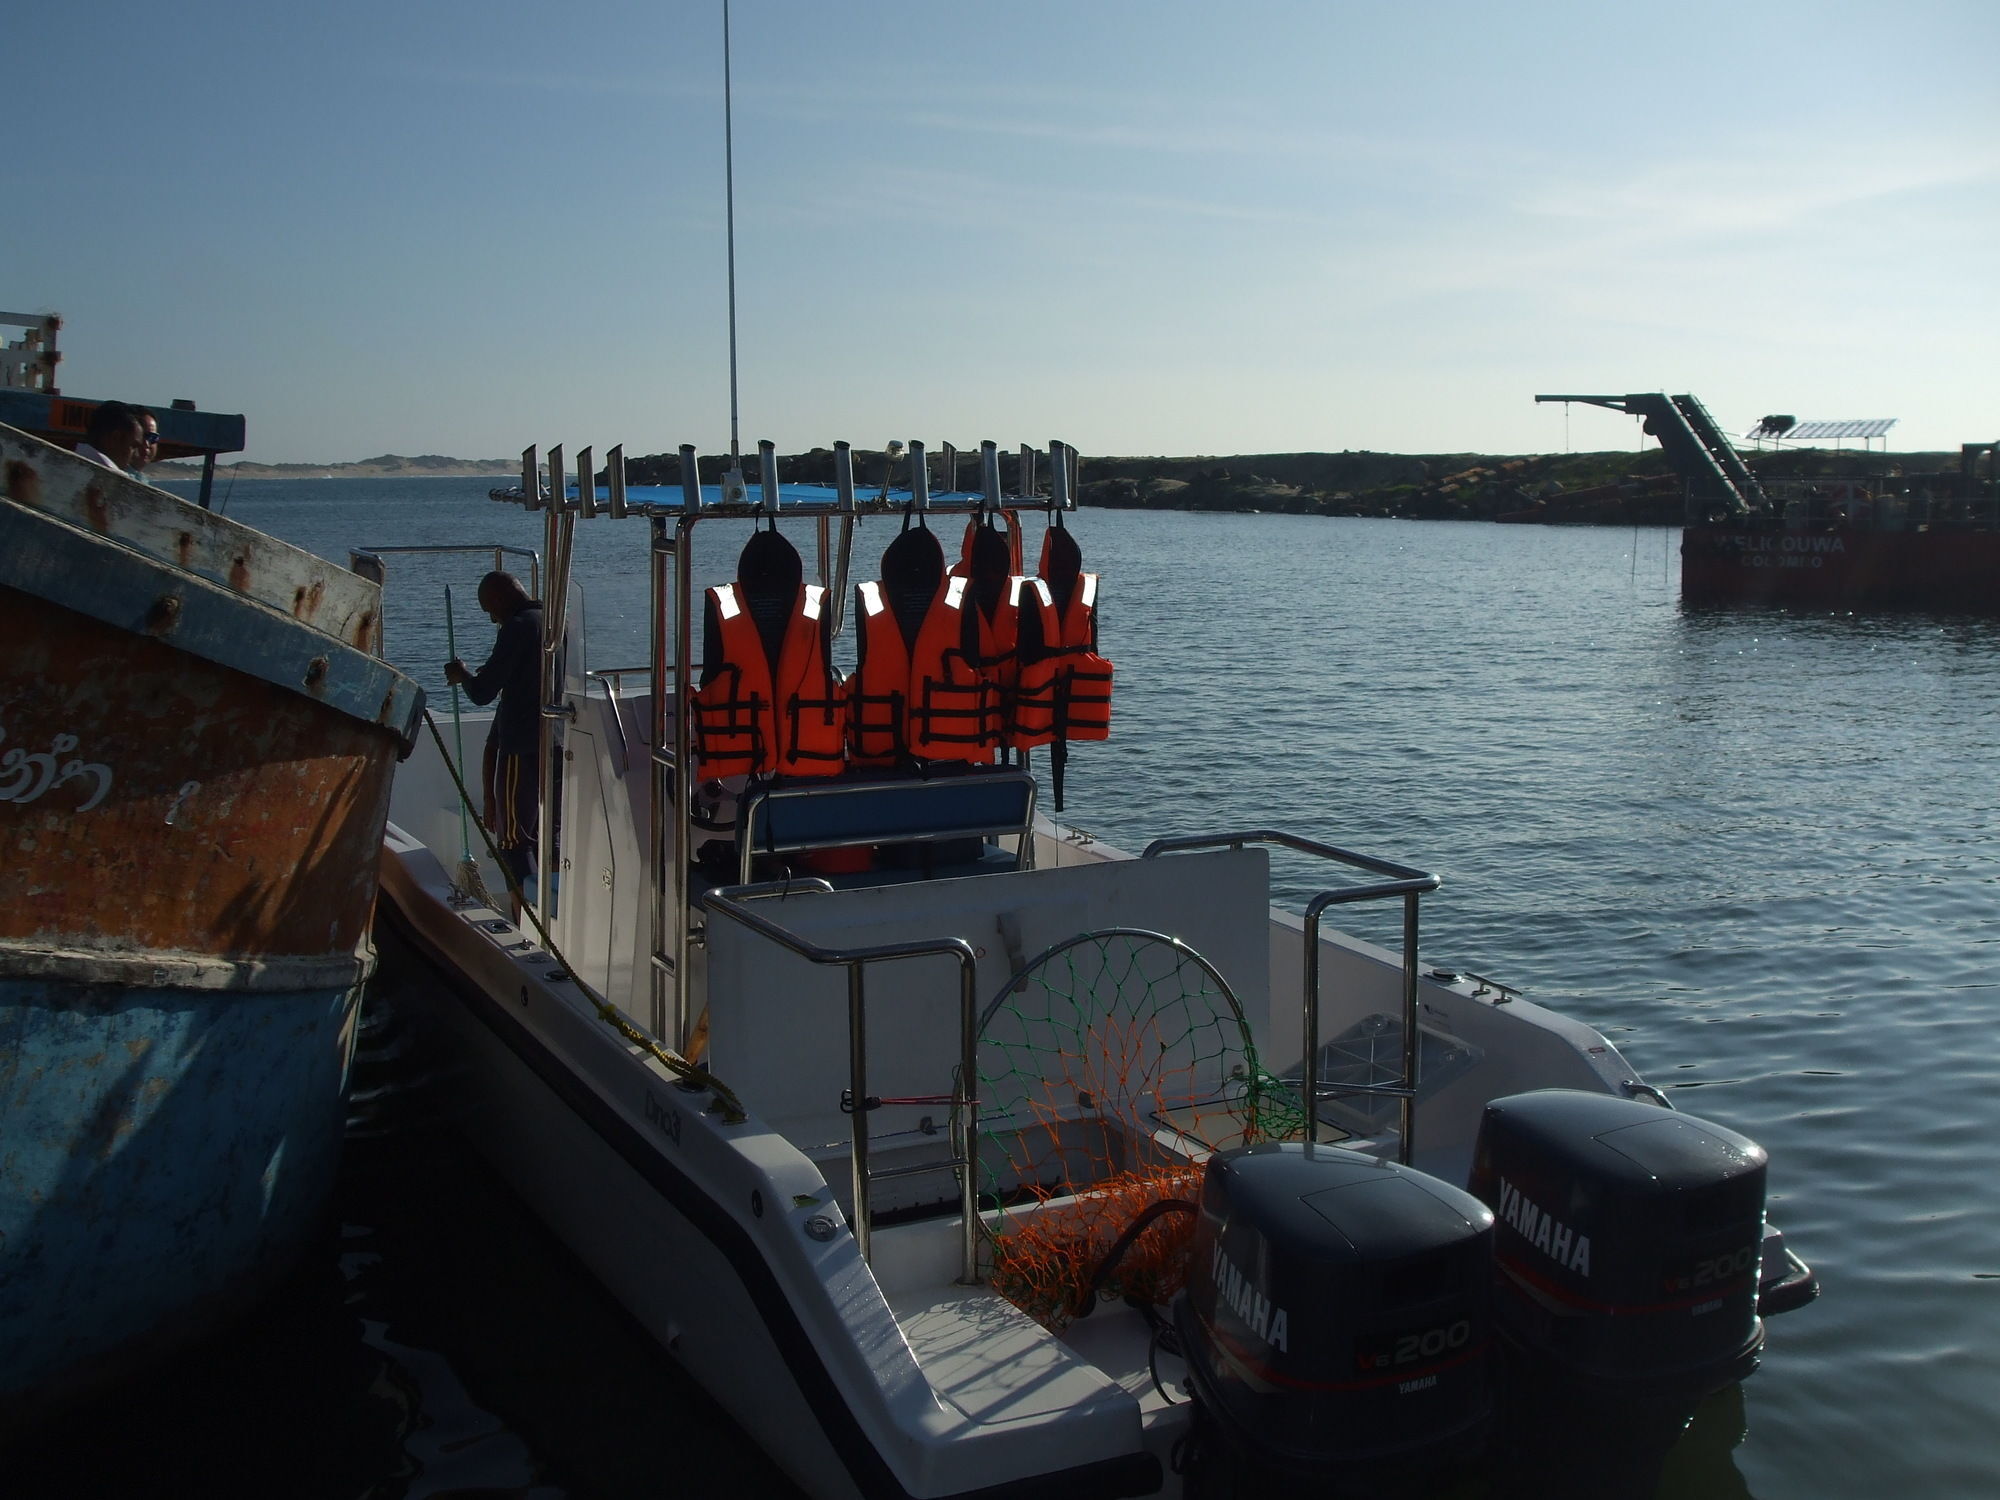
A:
[(733, 496), (675, 929)]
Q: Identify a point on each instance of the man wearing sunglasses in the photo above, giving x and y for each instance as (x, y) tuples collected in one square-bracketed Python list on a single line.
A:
[(149, 443), (116, 437)]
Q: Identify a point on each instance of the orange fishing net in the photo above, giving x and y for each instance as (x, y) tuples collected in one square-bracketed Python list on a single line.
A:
[(1051, 1264), (1109, 1070)]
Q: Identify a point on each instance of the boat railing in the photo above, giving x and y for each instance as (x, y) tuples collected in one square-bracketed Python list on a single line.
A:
[(613, 680), (618, 674), (1877, 503), (735, 902), (368, 561), (1406, 882)]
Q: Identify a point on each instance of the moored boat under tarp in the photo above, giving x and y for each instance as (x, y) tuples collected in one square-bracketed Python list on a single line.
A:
[(196, 746)]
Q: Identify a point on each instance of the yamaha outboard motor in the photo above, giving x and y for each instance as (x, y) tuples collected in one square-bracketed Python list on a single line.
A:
[(1627, 1238), (1336, 1324), (1626, 1246)]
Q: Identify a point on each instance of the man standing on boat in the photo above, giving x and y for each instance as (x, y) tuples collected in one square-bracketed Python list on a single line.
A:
[(514, 673)]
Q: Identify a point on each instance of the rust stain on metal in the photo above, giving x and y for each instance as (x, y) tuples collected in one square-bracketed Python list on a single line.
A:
[(95, 509), (164, 615), (184, 549), (24, 482), (277, 859), (316, 671), (239, 572), (364, 631), (306, 598)]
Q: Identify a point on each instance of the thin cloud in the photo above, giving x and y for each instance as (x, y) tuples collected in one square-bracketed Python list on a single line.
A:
[(1701, 199)]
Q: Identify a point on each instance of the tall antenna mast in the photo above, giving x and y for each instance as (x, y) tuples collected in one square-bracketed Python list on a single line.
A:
[(729, 176)]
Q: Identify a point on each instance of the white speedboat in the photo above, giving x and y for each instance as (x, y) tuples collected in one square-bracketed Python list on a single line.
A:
[(957, 1153)]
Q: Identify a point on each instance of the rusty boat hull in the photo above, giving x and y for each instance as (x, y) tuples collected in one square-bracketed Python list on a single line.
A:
[(196, 748), (1948, 570)]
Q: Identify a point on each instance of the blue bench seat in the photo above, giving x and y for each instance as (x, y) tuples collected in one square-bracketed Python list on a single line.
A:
[(906, 819)]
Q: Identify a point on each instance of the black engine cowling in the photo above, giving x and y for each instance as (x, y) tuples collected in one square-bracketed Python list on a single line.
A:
[(1626, 1239), (1336, 1320)]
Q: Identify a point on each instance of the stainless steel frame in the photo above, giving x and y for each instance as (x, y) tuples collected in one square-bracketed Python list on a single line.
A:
[(358, 557), (1408, 883), (674, 930), (734, 901)]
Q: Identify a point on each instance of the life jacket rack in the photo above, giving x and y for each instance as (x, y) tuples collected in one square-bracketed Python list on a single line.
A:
[(672, 514)]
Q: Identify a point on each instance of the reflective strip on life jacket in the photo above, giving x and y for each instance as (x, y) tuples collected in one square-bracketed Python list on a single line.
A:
[(1034, 671), (745, 724), (879, 690), (812, 709), (952, 705), (1083, 687)]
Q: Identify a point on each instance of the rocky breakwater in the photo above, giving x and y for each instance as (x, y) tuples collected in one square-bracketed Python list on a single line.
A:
[(1601, 488), (1557, 489), (1576, 487)]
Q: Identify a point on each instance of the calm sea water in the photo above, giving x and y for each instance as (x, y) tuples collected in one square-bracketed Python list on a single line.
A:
[(1756, 849)]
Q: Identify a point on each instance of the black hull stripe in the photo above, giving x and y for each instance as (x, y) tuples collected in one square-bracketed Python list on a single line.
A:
[(1105, 1479)]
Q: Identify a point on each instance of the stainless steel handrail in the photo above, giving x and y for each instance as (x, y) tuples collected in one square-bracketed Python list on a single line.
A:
[(500, 550), (619, 674), (733, 900), (1407, 882)]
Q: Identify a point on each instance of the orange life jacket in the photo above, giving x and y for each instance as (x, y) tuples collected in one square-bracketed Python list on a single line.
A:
[(932, 702), (1026, 679), (745, 723), (963, 567), (1083, 682)]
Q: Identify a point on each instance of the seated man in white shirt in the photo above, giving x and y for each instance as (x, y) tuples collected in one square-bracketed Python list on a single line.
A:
[(116, 438)]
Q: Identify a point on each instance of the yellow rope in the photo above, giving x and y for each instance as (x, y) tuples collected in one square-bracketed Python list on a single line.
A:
[(732, 1108)]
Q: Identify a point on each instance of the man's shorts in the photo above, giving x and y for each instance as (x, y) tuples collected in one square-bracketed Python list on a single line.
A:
[(513, 791)]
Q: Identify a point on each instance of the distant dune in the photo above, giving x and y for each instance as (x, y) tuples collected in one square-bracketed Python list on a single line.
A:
[(386, 466)]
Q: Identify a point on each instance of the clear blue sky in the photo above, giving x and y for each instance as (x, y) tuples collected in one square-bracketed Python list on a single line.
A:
[(1146, 227)]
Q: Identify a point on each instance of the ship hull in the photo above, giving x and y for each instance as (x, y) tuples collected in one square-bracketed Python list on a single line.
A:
[(1842, 569), (169, 1153), (194, 781)]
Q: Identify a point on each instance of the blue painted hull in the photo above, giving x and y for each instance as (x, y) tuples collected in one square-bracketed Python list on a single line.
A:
[(165, 1151), (198, 746)]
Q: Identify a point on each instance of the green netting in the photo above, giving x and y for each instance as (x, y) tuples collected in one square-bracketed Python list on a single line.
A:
[(1109, 1069)]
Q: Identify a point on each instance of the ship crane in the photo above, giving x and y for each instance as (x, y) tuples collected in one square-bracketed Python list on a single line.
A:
[(1699, 451)]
